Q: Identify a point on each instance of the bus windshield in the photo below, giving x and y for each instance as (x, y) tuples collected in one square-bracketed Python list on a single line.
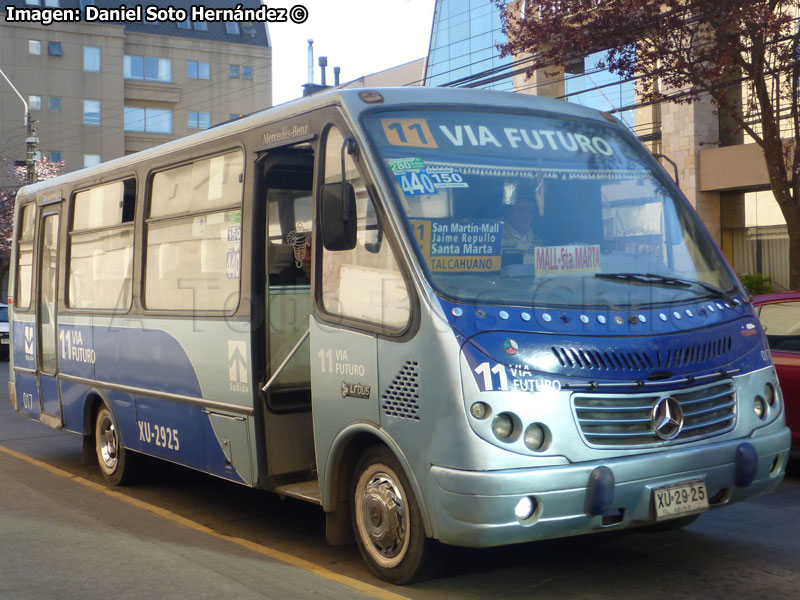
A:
[(535, 210)]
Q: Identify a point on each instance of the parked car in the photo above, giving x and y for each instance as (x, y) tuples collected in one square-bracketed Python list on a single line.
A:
[(3, 331), (780, 315)]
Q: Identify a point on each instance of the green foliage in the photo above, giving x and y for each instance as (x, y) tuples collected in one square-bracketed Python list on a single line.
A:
[(757, 283)]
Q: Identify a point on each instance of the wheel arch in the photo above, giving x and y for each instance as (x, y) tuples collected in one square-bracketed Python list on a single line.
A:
[(347, 447), (94, 399)]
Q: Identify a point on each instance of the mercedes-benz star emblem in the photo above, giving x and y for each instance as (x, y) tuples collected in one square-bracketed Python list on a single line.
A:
[(667, 418)]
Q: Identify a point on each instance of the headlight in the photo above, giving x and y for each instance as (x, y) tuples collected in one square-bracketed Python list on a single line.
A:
[(760, 407), (503, 426), (769, 394), (534, 437)]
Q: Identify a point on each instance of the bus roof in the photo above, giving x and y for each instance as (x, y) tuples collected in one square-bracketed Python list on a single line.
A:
[(350, 99)]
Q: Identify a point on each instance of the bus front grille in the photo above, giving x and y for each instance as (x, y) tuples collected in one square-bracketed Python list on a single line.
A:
[(627, 420)]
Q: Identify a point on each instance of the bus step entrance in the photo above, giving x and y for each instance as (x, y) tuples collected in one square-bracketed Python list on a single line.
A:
[(303, 490)]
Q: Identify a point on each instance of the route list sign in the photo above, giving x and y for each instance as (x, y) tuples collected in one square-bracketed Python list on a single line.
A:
[(459, 245)]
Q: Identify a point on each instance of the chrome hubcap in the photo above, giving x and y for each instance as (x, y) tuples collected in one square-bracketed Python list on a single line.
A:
[(107, 443), (383, 515)]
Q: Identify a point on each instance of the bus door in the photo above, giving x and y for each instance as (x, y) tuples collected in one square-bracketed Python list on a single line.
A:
[(46, 306), (287, 183), (362, 298)]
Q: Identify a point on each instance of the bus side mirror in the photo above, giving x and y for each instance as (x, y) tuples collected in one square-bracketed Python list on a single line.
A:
[(338, 216)]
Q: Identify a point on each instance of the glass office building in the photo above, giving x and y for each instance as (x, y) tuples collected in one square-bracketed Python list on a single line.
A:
[(463, 52), (463, 46)]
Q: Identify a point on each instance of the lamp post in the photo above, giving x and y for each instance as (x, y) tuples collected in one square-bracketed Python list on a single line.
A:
[(30, 135)]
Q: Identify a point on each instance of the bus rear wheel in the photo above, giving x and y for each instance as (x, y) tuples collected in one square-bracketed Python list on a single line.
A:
[(117, 465), (388, 523)]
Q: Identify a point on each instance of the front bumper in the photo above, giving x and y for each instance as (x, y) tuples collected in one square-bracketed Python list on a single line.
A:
[(476, 508)]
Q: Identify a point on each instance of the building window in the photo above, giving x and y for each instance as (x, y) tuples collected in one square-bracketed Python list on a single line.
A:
[(232, 28), (152, 120), (147, 68), (233, 71), (91, 58), (91, 112), (249, 29), (54, 49), (53, 3), (196, 69), (101, 247), (35, 47), (187, 24), (198, 120), (90, 160), (34, 102), (200, 26), (55, 156), (247, 72), (233, 116), (194, 211), (85, 3), (54, 103), (33, 2)]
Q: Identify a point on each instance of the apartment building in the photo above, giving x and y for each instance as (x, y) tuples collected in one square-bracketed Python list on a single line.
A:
[(101, 90)]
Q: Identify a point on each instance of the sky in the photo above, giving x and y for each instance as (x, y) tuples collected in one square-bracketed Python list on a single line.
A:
[(360, 36)]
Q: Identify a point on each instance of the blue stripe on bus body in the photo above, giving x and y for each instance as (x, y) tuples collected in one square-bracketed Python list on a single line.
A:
[(180, 433), (144, 358), (134, 357)]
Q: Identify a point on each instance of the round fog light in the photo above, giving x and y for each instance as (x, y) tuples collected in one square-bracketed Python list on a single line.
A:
[(479, 410), (524, 508), (502, 426), (769, 394), (534, 437), (760, 407)]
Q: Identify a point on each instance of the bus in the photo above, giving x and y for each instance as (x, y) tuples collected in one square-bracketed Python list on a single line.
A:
[(447, 317)]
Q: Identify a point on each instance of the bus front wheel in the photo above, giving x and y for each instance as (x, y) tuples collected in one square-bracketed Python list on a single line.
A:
[(116, 464), (388, 523)]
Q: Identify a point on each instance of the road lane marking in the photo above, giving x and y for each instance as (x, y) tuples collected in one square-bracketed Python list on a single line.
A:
[(366, 588)]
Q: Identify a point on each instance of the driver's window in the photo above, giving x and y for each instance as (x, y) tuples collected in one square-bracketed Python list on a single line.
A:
[(364, 283)]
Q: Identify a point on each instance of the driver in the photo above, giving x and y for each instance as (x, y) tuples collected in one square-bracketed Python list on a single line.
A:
[(519, 240)]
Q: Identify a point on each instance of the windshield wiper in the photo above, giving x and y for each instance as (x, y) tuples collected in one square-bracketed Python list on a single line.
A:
[(653, 279)]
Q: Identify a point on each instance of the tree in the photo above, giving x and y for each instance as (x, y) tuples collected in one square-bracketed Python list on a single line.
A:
[(681, 51)]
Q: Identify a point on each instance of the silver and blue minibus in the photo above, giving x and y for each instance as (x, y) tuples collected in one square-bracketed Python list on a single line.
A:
[(448, 317)]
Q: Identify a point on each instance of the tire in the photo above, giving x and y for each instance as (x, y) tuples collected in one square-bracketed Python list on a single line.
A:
[(118, 466), (387, 522)]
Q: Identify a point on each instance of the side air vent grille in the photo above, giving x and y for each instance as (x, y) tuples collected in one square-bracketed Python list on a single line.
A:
[(612, 360), (401, 398)]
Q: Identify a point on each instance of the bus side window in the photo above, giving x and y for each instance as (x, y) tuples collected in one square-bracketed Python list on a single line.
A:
[(193, 235), (365, 283), (22, 297), (101, 247)]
